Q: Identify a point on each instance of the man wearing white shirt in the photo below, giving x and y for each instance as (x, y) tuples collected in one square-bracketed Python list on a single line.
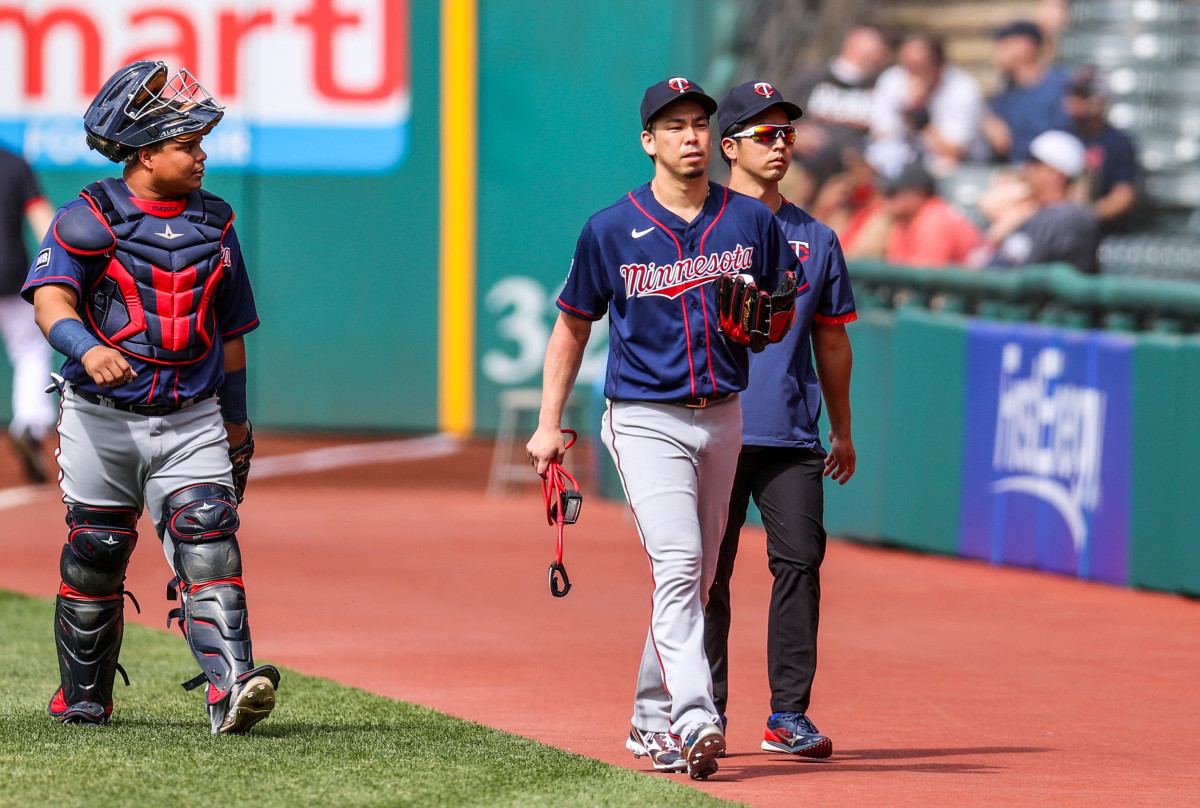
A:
[(925, 108)]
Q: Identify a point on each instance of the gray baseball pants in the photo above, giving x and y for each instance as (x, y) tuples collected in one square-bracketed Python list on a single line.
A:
[(676, 465), (116, 459)]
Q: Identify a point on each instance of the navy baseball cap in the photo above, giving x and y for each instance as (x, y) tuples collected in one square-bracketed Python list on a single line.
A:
[(1020, 28), (745, 101), (666, 92)]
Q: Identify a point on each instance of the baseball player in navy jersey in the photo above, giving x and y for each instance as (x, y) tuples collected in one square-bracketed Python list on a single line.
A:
[(140, 283), (652, 261), (782, 460)]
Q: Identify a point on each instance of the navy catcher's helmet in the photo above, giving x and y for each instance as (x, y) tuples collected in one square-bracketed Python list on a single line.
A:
[(140, 105)]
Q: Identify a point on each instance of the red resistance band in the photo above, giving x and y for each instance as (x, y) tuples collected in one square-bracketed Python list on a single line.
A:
[(560, 493)]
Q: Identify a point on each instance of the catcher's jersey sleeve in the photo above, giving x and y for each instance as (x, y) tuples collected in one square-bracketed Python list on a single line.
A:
[(236, 313), (55, 264)]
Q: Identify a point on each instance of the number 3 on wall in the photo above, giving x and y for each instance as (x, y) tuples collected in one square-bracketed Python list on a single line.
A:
[(523, 313)]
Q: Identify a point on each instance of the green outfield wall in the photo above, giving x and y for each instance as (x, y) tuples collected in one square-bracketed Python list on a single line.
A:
[(929, 440), (346, 262), (1014, 439)]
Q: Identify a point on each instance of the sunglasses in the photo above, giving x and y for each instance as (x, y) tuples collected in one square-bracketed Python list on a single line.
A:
[(767, 133)]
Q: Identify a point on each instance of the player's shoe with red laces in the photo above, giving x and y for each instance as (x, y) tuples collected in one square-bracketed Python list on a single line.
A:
[(84, 712), (701, 748), (794, 734), (660, 747), (250, 700)]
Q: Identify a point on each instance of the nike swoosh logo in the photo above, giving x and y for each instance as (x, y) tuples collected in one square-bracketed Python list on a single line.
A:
[(639, 233)]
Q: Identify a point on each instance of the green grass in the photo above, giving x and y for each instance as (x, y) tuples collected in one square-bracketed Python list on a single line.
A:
[(325, 744)]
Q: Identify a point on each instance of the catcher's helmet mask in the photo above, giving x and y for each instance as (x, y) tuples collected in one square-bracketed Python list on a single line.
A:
[(139, 106)]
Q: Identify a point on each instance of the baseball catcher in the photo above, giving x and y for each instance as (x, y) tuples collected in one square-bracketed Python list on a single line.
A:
[(141, 284)]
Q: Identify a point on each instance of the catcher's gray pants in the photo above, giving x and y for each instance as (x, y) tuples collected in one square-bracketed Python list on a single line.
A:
[(116, 459), (676, 465)]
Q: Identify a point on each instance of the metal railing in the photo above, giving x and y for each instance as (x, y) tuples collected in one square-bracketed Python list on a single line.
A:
[(1054, 294)]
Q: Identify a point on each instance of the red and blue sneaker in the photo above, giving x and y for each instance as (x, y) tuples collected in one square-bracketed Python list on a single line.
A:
[(794, 734)]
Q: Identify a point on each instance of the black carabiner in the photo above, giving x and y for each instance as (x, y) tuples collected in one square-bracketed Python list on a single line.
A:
[(559, 571)]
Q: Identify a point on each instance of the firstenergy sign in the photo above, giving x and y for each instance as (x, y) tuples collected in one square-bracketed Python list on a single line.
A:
[(308, 85)]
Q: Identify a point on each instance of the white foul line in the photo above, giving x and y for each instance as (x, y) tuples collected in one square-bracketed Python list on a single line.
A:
[(20, 495), (300, 462), (353, 455)]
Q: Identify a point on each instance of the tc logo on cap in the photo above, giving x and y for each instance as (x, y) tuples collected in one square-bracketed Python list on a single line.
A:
[(679, 85), (764, 89)]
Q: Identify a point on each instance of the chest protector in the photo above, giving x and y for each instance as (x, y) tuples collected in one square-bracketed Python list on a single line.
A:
[(154, 300)]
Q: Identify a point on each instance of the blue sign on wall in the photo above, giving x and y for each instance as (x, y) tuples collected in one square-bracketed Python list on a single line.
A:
[(1046, 454)]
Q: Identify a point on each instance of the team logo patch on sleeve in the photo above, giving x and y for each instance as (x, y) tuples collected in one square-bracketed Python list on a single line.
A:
[(43, 259)]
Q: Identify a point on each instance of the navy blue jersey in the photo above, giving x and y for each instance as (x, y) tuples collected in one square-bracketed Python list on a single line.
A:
[(233, 303), (782, 403), (653, 274)]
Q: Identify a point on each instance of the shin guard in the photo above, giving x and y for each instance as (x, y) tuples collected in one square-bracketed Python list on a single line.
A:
[(202, 523), (87, 632), (89, 617)]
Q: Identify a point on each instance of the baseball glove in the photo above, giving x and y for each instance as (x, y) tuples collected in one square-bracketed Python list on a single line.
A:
[(240, 457), (749, 316)]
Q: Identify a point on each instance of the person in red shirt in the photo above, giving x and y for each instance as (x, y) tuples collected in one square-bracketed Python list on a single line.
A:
[(927, 231)]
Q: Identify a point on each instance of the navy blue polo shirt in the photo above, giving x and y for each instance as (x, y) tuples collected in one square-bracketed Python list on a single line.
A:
[(782, 404)]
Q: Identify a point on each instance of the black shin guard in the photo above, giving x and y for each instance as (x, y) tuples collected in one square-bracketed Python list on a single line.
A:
[(202, 523), (214, 620), (88, 635), (89, 613)]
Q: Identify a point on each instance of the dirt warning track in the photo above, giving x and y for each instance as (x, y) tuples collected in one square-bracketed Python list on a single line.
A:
[(941, 682)]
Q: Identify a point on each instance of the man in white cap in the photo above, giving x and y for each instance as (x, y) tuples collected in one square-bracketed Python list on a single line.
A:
[(1057, 229)]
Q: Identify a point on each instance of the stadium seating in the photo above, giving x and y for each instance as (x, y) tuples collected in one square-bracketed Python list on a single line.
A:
[(1150, 52)]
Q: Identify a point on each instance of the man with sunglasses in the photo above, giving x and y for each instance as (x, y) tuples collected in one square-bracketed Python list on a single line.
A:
[(782, 461), (653, 262), (140, 283)]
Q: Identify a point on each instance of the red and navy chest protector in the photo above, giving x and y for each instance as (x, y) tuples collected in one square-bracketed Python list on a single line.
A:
[(155, 297), (653, 274), (163, 282)]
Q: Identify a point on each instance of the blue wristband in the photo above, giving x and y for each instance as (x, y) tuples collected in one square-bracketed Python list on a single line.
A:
[(233, 397), (71, 338)]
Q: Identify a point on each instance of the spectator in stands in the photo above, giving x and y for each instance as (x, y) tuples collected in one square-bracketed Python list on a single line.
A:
[(926, 230), (1031, 99), (925, 108), (836, 100), (852, 204), (1110, 179), (1055, 228), (1052, 17)]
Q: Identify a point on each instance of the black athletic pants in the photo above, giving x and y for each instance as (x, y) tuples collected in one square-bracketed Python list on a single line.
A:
[(786, 484)]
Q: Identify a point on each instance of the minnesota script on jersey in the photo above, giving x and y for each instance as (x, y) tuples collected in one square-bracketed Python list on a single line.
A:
[(654, 274)]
